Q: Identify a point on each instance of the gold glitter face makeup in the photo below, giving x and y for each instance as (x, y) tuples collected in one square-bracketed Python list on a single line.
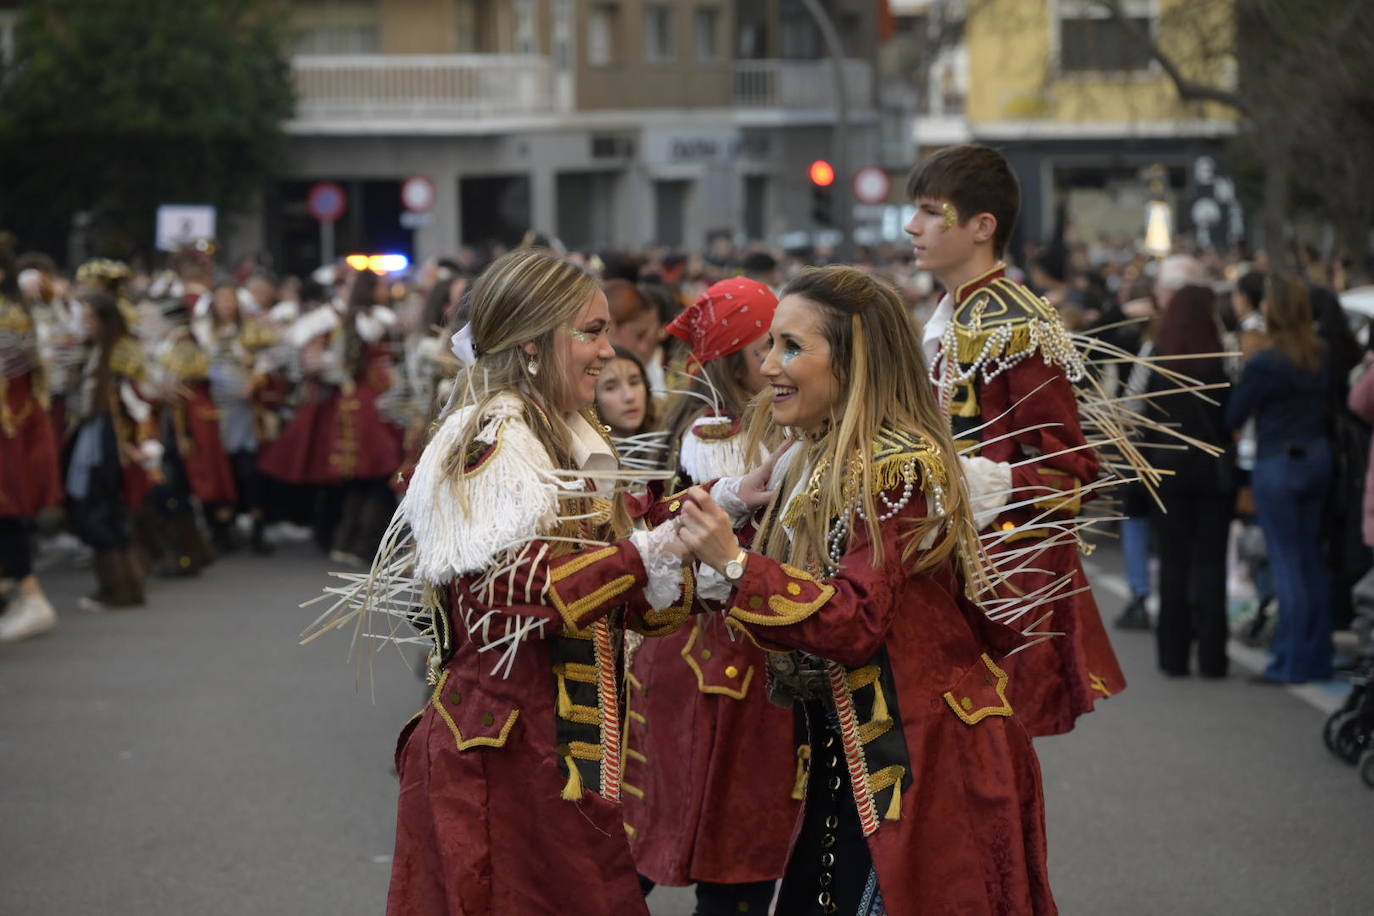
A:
[(951, 215)]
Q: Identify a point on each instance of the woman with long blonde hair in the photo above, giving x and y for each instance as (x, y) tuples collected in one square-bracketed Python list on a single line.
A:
[(513, 540), (924, 793)]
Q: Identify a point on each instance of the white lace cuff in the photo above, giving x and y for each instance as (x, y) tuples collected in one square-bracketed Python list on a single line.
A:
[(726, 495), (664, 567), (989, 487), (711, 585)]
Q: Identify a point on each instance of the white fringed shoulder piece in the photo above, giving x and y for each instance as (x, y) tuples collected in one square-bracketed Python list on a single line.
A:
[(311, 325), (511, 496), (707, 457)]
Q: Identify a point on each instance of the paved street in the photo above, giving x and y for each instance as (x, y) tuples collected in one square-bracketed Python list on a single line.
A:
[(190, 758)]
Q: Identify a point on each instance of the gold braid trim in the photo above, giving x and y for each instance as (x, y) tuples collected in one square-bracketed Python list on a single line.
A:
[(881, 723), (786, 610), (731, 692), (567, 709), (187, 361), (889, 778), (671, 618), (1004, 319), (467, 743), (964, 708), (572, 613), (14, 317), (254, 335), (127, 359)]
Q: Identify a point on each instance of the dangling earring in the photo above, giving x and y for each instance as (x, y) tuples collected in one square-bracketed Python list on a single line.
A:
[(532, 367)]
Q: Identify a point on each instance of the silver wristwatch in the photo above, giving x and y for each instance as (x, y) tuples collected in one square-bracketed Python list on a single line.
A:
[(734, 570)]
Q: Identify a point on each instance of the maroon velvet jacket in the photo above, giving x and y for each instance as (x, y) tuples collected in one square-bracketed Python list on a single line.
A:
[(29, 457), (511, 787), (1056, 681), (944, 778), (712, 776), (338, 434)]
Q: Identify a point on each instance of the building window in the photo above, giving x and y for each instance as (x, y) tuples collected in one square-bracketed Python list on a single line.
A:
[(658, 33), (799, 38), (465, 16), (708, 34), (525, 40), (337, 27), (1092, 40), (562, 34), (602, 23)]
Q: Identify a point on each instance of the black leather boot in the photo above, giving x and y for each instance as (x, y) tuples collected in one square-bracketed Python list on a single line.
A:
[(1134, 617)]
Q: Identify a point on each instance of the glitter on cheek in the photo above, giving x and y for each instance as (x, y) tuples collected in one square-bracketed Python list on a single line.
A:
[(788, 356), (951, 215)]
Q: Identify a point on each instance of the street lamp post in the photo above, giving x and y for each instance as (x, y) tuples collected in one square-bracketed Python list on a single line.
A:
[(840, 136)]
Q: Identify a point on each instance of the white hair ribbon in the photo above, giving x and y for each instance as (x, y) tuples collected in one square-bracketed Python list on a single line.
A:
[(463, 345)]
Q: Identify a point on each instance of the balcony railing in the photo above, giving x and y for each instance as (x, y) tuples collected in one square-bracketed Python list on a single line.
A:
[(800, 84), (420, 88)]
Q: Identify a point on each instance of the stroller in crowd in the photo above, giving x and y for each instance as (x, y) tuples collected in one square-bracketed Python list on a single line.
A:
[(1349, 731)]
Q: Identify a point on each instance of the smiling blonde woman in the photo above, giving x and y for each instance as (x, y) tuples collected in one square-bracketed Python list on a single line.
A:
[(924, 793), (512, 536)]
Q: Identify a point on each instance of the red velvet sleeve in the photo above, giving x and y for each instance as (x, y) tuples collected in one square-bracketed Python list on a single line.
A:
[(574, 589), (1045, 395), (846, 617)]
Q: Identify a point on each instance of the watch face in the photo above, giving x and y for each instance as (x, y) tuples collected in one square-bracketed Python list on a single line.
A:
[(734, 570)]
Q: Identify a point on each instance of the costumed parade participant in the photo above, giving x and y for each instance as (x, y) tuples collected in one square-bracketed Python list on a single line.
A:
[(638, 328), (247, 387), (29, 459), (115, 454), (338, 438), (1004, 370), (195, 462), (623, 403), (512, 551), (704, 744), (924, 793)]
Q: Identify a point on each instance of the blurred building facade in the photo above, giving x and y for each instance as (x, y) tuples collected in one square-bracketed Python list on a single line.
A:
[(1088, 117), (600, 122)]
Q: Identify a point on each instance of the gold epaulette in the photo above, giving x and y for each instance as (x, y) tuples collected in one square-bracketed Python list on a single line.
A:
[(14, 318), (254, 335), (132, 316), (187, 361), (898, 459), (1005, 321), (718, 429), (127, 358), (901, 457)]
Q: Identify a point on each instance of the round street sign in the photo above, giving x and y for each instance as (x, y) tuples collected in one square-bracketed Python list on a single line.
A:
[(871, 185), (327, 201), (417, 194)]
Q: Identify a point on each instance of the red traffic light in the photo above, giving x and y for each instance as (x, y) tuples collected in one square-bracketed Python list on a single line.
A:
[(822, 173)]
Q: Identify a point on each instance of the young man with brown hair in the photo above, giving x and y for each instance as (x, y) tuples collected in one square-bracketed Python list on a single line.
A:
[(1004, 370)]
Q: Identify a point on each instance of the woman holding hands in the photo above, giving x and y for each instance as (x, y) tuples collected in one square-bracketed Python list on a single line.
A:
[(924, 794)]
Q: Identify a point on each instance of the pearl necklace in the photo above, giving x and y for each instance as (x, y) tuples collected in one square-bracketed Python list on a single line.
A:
[(840, 529)]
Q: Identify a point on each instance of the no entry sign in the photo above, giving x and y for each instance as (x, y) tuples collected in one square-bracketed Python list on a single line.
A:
[(327, 201)]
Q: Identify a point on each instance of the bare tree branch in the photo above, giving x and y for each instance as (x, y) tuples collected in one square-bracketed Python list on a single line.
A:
[(1188, 89)]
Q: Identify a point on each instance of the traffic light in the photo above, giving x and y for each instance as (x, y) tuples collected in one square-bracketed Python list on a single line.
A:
[(822, 176)]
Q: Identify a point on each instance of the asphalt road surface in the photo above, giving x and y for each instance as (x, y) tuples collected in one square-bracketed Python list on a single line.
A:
[(190, 757)]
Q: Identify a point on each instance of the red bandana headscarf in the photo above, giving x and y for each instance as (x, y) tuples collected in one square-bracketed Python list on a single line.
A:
[(729, 316)]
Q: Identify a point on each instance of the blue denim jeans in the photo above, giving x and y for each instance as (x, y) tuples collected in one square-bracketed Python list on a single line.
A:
[(1290, 495), (1135, 544)]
